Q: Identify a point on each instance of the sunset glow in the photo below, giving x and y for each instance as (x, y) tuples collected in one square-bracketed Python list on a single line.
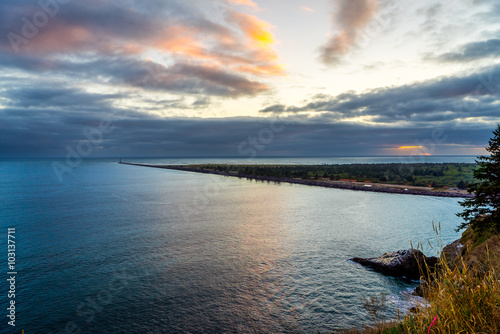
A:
[(249, 3), (150, 139), (219, 65)]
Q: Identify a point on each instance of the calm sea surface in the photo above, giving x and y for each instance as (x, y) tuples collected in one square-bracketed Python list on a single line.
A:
[(124, 249)]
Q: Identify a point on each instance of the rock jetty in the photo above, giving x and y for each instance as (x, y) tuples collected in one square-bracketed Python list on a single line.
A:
[(317, 183)]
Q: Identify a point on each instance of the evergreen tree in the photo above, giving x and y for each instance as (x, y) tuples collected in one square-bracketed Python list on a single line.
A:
[(482, 211)]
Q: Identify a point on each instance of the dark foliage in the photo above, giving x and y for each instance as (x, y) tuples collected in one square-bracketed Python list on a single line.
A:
[(482, 211), (418, 174)]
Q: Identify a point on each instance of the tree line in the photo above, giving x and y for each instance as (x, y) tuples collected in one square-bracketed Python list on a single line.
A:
[(458, 175)]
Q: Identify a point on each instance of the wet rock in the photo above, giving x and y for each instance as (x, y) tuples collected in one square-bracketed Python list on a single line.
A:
[(408, 263)]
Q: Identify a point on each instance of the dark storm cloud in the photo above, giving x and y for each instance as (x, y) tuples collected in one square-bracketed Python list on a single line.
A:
[(473, 95), (107, 20), (130, 20), (56, 97), (42, 132), (127, 71), (181, 77), (48, 89), (471, 52), (275, 108)]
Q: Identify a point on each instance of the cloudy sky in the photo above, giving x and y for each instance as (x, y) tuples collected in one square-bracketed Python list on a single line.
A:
[(248, 77)]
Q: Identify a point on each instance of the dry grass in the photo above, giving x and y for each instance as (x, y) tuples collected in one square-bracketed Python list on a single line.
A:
[(463, 295), (464, 300), (386, 328)]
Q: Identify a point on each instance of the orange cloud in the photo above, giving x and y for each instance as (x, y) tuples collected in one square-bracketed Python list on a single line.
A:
[(239, 43), (182, 40), (60, 38), (225, 47), (249, 3), (257, 31), (63, 37), (262, 59), (307, 9), (259, 70)]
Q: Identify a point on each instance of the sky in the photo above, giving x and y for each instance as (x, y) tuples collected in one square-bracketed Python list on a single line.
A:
[(248, 78)]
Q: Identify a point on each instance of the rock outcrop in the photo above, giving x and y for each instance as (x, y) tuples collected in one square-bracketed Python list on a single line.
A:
[(451, 253), (409, 263), (474, 249)]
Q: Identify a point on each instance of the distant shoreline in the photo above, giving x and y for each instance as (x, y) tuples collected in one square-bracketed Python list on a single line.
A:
[(375, 187)]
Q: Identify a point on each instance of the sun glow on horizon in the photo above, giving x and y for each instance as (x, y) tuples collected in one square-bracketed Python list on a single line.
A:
[(409, 147), (416, 150)]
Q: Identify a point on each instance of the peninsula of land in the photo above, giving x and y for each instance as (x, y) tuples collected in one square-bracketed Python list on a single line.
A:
[(416, 179)]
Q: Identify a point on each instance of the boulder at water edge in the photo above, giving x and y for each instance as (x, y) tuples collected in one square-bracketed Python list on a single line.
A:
[(410, 263)]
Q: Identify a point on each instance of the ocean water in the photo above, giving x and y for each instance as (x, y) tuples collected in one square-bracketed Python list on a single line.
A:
[(125, 249)]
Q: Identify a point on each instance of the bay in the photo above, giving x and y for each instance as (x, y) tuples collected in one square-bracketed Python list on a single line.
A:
[(125, 249)]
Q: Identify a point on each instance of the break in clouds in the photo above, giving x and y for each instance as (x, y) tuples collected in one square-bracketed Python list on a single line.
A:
[(68, 65), (455, 98)]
